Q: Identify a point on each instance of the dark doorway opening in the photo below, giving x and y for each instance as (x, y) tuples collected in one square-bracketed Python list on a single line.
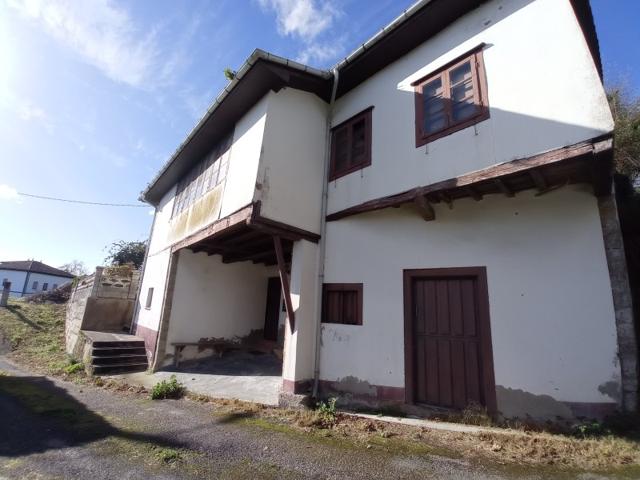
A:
[(272, 314)]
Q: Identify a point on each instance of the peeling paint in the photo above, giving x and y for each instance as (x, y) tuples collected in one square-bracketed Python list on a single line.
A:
[(611, 389), (355, 386), (516, 403)]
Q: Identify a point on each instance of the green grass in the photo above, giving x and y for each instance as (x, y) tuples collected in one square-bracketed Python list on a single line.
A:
[(36, 336)]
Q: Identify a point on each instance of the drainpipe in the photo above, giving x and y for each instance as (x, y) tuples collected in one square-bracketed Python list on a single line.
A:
[(323, 231)]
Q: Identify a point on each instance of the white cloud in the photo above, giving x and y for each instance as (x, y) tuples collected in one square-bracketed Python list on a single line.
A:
[(26, 111), (321, 53), (8, 193), (101, 33), (303, 18)]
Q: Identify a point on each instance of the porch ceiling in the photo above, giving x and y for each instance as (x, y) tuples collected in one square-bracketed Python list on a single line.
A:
[(243, 244)]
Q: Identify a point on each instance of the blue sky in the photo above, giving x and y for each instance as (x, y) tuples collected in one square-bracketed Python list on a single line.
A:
[(96, 95)]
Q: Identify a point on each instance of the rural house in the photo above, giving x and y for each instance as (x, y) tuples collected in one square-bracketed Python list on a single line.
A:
[(430, 222), (28, 277)]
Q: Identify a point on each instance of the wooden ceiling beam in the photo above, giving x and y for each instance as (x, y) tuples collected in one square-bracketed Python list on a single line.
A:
[(503, 187), (424, 208), (473, 193), (538, 179)]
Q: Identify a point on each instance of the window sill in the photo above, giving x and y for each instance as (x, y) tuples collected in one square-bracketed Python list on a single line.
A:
[(420, 141), (344, 173)]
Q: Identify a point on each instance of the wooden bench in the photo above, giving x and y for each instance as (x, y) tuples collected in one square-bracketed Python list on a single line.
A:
[(219, 348)]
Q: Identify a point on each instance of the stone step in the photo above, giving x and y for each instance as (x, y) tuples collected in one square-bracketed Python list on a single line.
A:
[(115, 351), (118, 359), (123, 368), (117, 343)]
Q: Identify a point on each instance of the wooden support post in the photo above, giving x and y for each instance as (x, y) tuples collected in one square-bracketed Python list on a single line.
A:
[(425, 208), (284, 281), (503, 187)]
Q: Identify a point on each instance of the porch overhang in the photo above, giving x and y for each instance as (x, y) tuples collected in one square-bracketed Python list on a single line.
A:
[(585, 162), (245, 236)]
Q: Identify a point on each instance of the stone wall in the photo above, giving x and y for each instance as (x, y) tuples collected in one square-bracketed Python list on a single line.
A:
[(103, 301)]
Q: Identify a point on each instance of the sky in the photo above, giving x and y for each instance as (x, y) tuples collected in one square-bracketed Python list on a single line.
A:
[(95, 96)]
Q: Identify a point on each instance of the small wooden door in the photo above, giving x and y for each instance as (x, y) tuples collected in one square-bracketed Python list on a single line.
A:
[(272, 314), (450, 361)]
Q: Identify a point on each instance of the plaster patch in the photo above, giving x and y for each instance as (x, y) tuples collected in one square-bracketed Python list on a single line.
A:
[(516, 403)]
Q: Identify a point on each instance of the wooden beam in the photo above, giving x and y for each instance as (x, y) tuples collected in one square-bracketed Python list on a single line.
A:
[(539, 180), (232, 222), (444, 196), (503, 187), (590, 147), (473, 193), (425, 208), (284, 281)]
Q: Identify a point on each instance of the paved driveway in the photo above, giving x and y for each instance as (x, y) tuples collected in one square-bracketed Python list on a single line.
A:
[(88, 433)]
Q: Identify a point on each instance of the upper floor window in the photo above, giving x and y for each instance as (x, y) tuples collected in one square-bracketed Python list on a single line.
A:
[(207, 174), (453, 98), (351, 145)]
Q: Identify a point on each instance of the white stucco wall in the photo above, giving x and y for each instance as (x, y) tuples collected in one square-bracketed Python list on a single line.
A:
[(157, 263), (245, 156), (213, 299), (552, 318), (543, 87), (292, 163), (17, 279)]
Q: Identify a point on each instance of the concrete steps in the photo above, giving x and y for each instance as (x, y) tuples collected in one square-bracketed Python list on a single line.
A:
[(112, 353)]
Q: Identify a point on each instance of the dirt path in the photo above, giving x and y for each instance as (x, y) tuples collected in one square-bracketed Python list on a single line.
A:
[(54, 429)]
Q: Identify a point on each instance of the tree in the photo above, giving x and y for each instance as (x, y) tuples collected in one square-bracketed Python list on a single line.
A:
[(123, 253), (75, 267), (625, 109)]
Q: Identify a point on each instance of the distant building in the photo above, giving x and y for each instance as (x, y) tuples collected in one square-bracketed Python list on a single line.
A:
[(28, 277)]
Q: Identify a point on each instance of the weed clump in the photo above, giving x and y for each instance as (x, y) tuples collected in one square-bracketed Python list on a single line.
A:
[(168, 389)]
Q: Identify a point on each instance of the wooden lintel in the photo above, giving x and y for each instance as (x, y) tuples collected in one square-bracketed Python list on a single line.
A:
[(503, 187), (539, 180), (425, 208), (284, 281), (585, 149)]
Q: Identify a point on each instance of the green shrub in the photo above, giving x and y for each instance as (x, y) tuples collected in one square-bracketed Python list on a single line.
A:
[(326, 411), (73, 368), (167, 389), (590, 429)]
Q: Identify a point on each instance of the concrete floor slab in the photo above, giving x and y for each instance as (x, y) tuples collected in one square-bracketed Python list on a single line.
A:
[(250, 388)]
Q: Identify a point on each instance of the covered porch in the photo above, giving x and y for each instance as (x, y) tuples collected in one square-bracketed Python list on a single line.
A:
[(229, 312)]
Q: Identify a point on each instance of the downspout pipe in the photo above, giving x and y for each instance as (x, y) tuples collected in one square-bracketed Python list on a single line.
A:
[(323, 231)]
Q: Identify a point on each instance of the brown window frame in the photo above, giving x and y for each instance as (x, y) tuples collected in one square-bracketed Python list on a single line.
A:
[(342, 287), (480, 95), (347, 124)]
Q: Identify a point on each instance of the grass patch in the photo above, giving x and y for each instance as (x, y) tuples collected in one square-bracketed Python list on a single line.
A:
[(36, 336), (40, 397), (167, 455), (168, 389)]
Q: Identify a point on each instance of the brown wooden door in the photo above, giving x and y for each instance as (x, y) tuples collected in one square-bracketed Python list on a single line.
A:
[(450, 347), (272, 314)]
